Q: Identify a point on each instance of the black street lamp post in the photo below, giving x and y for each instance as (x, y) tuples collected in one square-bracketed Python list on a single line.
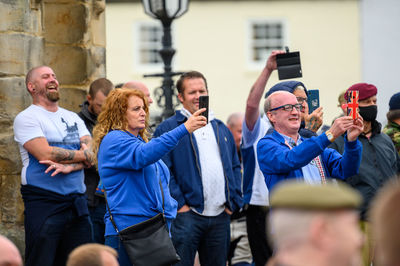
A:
[(166, 11)]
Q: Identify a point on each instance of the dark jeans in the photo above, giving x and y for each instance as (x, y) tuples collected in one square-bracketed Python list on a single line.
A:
[(256, 232), (115, 243), (97, 216), (59, 235), (209, 236)]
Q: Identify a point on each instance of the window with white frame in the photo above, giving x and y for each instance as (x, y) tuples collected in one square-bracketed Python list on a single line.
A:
[(148, 45), (265, 36)]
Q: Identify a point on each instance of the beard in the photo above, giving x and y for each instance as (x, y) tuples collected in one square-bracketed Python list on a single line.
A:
[(53, 96)]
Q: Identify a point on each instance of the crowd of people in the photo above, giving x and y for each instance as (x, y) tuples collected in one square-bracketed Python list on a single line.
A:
[(264, 188)]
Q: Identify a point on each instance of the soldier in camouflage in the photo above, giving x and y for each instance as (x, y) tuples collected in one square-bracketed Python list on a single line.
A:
[(393, 116)]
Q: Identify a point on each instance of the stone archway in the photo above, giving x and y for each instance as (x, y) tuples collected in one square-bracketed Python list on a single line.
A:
[(67, 35)]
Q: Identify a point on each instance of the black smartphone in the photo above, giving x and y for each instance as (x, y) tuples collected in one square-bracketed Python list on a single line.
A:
[(312, 100), (203, 103), (289, 65)]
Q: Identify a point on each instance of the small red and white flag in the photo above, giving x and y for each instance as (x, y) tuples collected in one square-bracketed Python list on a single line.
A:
[(352, 104)]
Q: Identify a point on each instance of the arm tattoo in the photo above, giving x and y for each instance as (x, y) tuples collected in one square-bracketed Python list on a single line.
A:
[(88, 156), (86, 141), (75, 165), (312, 124), (60, 154)]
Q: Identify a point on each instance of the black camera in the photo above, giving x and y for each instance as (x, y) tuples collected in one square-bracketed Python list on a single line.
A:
[(289, 65)]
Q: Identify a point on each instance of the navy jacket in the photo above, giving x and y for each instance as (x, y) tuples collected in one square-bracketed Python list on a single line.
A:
[(183, 161), (92, 177)]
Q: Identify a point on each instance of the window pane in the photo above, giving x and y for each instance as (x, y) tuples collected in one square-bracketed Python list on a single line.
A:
[(150, 44), (266, 36)]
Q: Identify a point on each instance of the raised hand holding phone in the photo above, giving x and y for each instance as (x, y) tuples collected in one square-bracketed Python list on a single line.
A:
[(312, 100), (203, 103), (196, 121), (289, 65)]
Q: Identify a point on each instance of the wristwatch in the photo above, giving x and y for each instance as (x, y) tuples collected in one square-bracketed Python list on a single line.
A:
[(329, 135)]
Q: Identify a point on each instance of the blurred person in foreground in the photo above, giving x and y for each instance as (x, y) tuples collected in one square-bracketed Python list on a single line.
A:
[(130, 166), (392, 129), (9, 254), (385, 219), (93, 255), (315, 225)]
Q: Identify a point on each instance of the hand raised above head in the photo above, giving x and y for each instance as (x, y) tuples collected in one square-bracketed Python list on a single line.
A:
[(196, 121), (271, 62)]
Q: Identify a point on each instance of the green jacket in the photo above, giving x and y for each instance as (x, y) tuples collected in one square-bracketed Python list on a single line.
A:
[(393, 130)]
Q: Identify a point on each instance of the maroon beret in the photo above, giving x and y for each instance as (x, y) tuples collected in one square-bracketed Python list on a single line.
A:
[(365, 90)]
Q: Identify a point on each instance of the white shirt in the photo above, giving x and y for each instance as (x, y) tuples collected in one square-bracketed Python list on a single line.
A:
[(212, 173)]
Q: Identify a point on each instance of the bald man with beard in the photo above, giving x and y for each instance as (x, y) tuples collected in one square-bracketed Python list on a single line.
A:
[(53, 143)]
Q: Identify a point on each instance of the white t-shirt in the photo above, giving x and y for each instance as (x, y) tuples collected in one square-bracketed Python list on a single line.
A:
[(63, 129)]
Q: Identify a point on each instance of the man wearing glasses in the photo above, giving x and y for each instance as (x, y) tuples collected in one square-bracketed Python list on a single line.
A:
[(284, 154), (255, 126), (310, 123)]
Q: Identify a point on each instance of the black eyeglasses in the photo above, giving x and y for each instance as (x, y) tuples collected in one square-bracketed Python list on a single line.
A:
[(288, 107), (301, 100)]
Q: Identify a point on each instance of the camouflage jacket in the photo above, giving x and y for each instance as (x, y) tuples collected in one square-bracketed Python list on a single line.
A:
[(393, 130)]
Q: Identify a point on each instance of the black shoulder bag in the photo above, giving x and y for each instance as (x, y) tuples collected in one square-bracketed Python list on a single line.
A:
[(148, 243)]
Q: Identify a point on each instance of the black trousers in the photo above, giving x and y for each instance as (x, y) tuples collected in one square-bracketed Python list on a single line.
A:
[(257, 233)]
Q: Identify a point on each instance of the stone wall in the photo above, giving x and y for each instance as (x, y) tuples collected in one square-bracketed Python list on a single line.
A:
[(68, 36)]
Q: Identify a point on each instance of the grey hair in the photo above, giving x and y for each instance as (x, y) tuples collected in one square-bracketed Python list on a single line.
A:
[(268, 102), (290, 227), (233, 118), (287, 226), (299, 88)]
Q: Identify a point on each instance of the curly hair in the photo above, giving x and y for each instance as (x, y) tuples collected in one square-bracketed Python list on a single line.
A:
[(113, 116)]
